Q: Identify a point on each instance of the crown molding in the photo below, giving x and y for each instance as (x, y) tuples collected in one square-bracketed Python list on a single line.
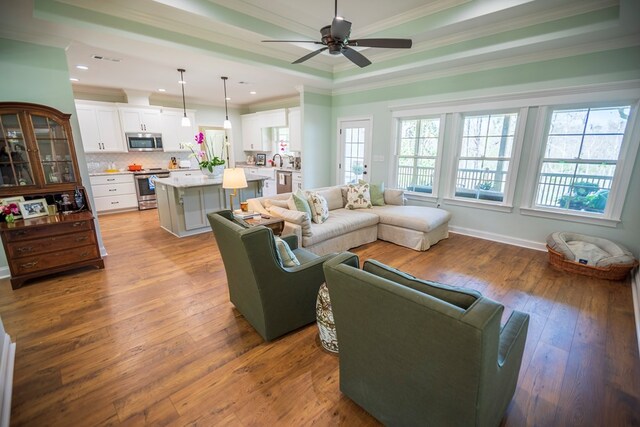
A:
[(550, 54)]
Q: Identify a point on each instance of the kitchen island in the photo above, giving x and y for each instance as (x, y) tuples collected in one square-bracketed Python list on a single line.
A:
[(185, 201)]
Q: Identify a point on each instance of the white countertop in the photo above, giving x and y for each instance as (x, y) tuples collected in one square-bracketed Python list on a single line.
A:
[(110, 173), (196, 181), (246, 165)]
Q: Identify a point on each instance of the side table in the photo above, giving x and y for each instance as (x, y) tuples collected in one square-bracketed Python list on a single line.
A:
[(274, 223)]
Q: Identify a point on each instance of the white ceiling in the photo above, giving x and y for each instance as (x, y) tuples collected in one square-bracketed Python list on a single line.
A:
[(212, 38)]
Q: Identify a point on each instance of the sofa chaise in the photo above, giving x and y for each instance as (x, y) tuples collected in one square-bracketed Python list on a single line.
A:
[(414, 227)]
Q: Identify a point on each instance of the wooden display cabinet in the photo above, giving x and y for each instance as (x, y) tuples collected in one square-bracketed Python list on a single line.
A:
[(38, 160)]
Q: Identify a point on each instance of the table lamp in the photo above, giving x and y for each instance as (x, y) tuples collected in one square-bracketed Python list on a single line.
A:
[(233, 179)]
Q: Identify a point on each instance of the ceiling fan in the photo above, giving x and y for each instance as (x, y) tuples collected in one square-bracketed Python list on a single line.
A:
[(335, 38)]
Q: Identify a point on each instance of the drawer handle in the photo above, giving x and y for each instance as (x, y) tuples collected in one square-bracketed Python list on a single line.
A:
[(77, 224), (25, 249), (84, 254), (111, 179), (21, 233), (29, 264), (113, 189), (81, 239), (114, 203)]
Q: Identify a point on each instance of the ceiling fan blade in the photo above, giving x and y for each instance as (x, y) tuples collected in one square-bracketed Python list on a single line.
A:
[(291, 41), (309, 56), (356, 57), (390, 43), (340, 28)]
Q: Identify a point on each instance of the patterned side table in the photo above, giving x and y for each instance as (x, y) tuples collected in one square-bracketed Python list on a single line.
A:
[(326, 325)]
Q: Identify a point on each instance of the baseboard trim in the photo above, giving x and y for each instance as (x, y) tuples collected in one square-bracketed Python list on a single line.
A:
[(635, 291), (501, 238), (4, 272), (103, 251)]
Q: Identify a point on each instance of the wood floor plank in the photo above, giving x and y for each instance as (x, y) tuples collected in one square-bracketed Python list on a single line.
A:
[(153, 339)]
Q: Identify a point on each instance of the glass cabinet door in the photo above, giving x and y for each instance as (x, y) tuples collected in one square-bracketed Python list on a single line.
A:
[(54, 150), (15, 168)]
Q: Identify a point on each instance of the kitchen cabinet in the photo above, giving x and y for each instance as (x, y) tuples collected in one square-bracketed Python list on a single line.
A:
[(38, 161), (295, 130), (184, 173), (141, 119), (269, 184), (100, 128), (115, 192), (252, 134), (36, 150), (273, 118), (175, 137)]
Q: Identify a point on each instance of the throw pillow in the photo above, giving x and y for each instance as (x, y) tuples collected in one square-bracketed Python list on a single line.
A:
[(319, 208), (298, 202), (358, 196), (377, 193), (286, 256)]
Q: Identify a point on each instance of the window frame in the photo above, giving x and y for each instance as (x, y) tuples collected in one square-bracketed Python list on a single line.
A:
[(397, 129), (506, 205), (621, 178)]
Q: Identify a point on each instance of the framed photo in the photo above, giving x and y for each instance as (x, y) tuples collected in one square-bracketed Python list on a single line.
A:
[(261, 159), (33, 208), (16, 200)]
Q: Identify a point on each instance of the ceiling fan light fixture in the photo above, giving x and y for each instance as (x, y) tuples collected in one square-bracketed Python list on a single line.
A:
[(185, 120), (227, 123)]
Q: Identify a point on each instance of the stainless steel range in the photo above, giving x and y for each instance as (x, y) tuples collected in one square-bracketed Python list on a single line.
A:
[(146, 188)]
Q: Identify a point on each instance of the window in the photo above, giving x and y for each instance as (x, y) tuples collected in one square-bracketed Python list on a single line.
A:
[(281, 137), (485, 162), (418, 154), (581, 154)]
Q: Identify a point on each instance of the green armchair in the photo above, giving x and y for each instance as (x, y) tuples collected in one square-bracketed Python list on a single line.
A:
[(414, 352), (274, 299)]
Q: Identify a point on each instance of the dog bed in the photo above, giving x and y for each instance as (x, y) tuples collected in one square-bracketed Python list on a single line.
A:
[(590, 256)]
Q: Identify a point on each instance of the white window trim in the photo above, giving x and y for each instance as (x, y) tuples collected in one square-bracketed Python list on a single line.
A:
[(393, 174), (514, 163), (621, 179)]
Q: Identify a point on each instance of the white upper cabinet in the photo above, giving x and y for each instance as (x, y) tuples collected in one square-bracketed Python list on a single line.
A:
[(141, 119), (252, 134), (273, 118), (174, 135), (295, 130), (100, 128)]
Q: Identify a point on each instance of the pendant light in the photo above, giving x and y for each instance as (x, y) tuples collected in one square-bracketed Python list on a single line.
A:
[(185, 120), (227, 123)]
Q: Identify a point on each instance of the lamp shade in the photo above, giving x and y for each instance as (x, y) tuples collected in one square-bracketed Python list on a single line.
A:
[(185, 121), (227, 124), (234, 178)]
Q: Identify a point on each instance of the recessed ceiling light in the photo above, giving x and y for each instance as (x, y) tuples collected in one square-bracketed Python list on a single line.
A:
[(82, 67), (228, 99), (253, 92), (162, 90), (73, 79)]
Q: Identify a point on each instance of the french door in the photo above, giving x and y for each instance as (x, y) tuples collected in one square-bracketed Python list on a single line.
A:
[(354, 152)]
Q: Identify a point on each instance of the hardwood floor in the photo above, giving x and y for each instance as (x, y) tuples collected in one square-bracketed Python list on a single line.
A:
[(153, 339)]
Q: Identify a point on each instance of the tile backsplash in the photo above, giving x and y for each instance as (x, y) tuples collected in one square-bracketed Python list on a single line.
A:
[(99, 162)]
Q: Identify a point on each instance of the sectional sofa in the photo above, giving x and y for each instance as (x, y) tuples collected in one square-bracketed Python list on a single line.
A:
[(415, 227)]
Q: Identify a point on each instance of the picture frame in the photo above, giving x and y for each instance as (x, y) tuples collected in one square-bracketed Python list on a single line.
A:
[(34, 208), (16, 200), (261, 159)]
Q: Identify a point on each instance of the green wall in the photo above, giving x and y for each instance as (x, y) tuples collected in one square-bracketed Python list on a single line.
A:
[(39, 74), (317, 140), (596, 68)]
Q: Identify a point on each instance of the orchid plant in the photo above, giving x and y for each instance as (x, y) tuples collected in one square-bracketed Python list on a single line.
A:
[(9, 211), (205, 153)]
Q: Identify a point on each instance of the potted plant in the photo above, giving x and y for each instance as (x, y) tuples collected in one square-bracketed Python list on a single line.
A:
[(209, 163)]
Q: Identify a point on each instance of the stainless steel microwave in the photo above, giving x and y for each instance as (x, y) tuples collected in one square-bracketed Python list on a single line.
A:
[(144, 141)]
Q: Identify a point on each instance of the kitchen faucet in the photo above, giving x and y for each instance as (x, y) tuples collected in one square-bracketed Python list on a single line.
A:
[(274, 158)]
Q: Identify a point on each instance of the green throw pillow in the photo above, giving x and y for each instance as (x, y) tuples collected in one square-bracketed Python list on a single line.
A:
[(286, 256), (301, 202), (376, 192)]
